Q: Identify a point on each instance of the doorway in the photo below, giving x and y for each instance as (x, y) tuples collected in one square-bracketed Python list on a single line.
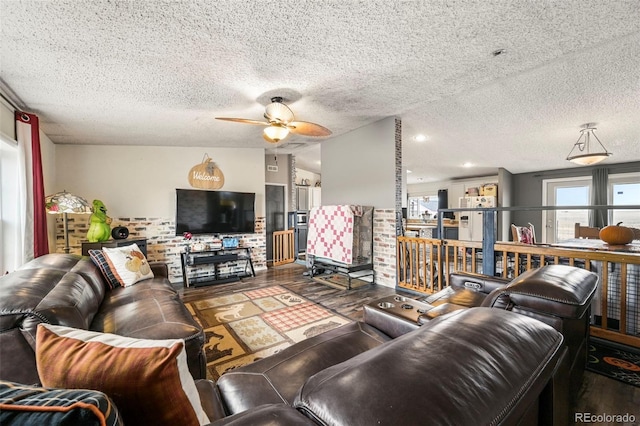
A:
[(560, 224), (276, 214)]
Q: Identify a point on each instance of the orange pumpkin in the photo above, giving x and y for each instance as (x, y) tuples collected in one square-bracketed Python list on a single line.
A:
[(616, 234)]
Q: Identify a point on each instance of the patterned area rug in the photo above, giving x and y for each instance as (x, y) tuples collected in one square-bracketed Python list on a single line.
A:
[(242, 327), (614, 362)]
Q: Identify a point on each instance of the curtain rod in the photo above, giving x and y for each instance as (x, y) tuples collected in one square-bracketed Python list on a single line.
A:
[(10, 97)]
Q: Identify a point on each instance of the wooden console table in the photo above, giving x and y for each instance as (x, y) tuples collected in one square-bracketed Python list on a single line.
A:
[(141, 242), (215, 257)]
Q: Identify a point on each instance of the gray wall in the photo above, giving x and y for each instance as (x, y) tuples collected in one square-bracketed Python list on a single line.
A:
[(359, 167), (527, 189), (283, 175)]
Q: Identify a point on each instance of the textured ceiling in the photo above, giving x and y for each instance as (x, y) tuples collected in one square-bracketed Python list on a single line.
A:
[(158, 72)]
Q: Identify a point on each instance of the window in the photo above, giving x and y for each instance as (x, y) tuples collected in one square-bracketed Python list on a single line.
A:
[(423, 207), (9, 222), (624, 189)]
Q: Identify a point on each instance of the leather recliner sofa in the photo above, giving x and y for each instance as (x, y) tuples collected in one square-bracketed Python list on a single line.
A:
[(559, 295), (69, 290), (475, 366)]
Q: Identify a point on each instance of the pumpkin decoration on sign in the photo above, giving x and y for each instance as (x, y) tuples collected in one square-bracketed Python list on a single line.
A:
[(616, 234), (206, 175)]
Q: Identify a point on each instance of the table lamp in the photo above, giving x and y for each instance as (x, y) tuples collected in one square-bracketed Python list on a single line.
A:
[(63, 203)]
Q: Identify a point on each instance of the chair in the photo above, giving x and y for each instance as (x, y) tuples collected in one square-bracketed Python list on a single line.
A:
[(523, 234), (587, 232)]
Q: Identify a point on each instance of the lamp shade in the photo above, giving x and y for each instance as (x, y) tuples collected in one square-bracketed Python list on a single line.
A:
[(65, 202), (588, 159), (586, 153), (276, 133)]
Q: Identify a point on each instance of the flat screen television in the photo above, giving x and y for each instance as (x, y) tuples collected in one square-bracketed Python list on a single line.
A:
[(214, 212)]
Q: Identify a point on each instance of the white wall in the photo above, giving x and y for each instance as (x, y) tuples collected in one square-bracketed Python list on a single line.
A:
[(48, 154), (359, 167), (140, 181), (305, 174)]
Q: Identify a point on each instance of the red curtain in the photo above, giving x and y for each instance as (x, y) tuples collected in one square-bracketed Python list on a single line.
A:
[(40, 238)]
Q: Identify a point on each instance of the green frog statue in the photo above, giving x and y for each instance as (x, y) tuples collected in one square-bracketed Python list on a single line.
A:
[(99, 229)]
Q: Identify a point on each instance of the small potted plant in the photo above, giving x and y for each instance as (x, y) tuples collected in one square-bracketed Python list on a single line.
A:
[(187, 236)]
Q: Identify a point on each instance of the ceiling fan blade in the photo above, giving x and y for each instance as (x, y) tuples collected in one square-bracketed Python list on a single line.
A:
[(308, 129), (243, 120)]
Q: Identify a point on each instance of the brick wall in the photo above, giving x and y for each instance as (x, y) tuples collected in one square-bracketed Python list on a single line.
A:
[(162, 243), (384, 246)]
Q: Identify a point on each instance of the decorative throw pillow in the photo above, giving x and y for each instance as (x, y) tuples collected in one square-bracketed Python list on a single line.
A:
[(128, 264), (148, 380), (526, 236), (35, 406), (101, 262)]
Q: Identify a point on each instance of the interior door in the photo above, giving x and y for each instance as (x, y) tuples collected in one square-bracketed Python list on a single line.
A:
[(275, 201), (560, 224)]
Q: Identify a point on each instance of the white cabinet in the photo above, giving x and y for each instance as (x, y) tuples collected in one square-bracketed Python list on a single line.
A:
[(302, 198), (315, 197)]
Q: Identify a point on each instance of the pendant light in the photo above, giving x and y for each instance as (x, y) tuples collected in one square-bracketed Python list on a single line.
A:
[(584, 152)]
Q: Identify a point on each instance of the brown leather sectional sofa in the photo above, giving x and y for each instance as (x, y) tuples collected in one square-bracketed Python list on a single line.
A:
[(69, 290), (470, 366)]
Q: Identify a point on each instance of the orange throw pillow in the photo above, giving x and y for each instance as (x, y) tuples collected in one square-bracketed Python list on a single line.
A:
[(148, 380)]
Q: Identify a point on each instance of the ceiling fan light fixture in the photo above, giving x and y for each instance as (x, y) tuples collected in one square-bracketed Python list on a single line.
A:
[(587, 153), (276, 133), (277, 111)]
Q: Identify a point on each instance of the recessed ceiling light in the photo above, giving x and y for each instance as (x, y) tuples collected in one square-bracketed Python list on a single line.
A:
[(499, 52), (409, 171), (467, 164), (420, 138)]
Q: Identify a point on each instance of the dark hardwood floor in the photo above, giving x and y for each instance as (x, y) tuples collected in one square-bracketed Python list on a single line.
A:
[(598, 394)]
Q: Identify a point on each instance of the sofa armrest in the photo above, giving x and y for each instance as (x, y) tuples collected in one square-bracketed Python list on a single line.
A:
[(559, 290), (476, 282), (210, 399), (159, 269), (267, 415)]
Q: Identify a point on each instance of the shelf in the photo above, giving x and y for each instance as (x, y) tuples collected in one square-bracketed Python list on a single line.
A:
[(215, 257), (203, 259), (205, 281)]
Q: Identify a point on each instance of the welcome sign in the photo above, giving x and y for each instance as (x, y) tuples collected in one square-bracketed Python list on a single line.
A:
[(206, 175)]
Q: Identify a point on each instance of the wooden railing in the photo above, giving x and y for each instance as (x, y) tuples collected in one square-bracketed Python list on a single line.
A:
[(425, 264), (283, 247)]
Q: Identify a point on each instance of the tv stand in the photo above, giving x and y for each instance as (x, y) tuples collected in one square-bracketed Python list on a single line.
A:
[(215, 257)]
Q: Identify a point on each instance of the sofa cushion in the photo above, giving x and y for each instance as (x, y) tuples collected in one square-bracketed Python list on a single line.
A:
[(35, 406), (482, 366), (127, 264), (276, 379), (148, 379), (63, 289), (98, 257), (152, 309)]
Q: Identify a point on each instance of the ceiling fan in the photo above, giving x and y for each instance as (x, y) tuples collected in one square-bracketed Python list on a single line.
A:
[(280, 121)]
